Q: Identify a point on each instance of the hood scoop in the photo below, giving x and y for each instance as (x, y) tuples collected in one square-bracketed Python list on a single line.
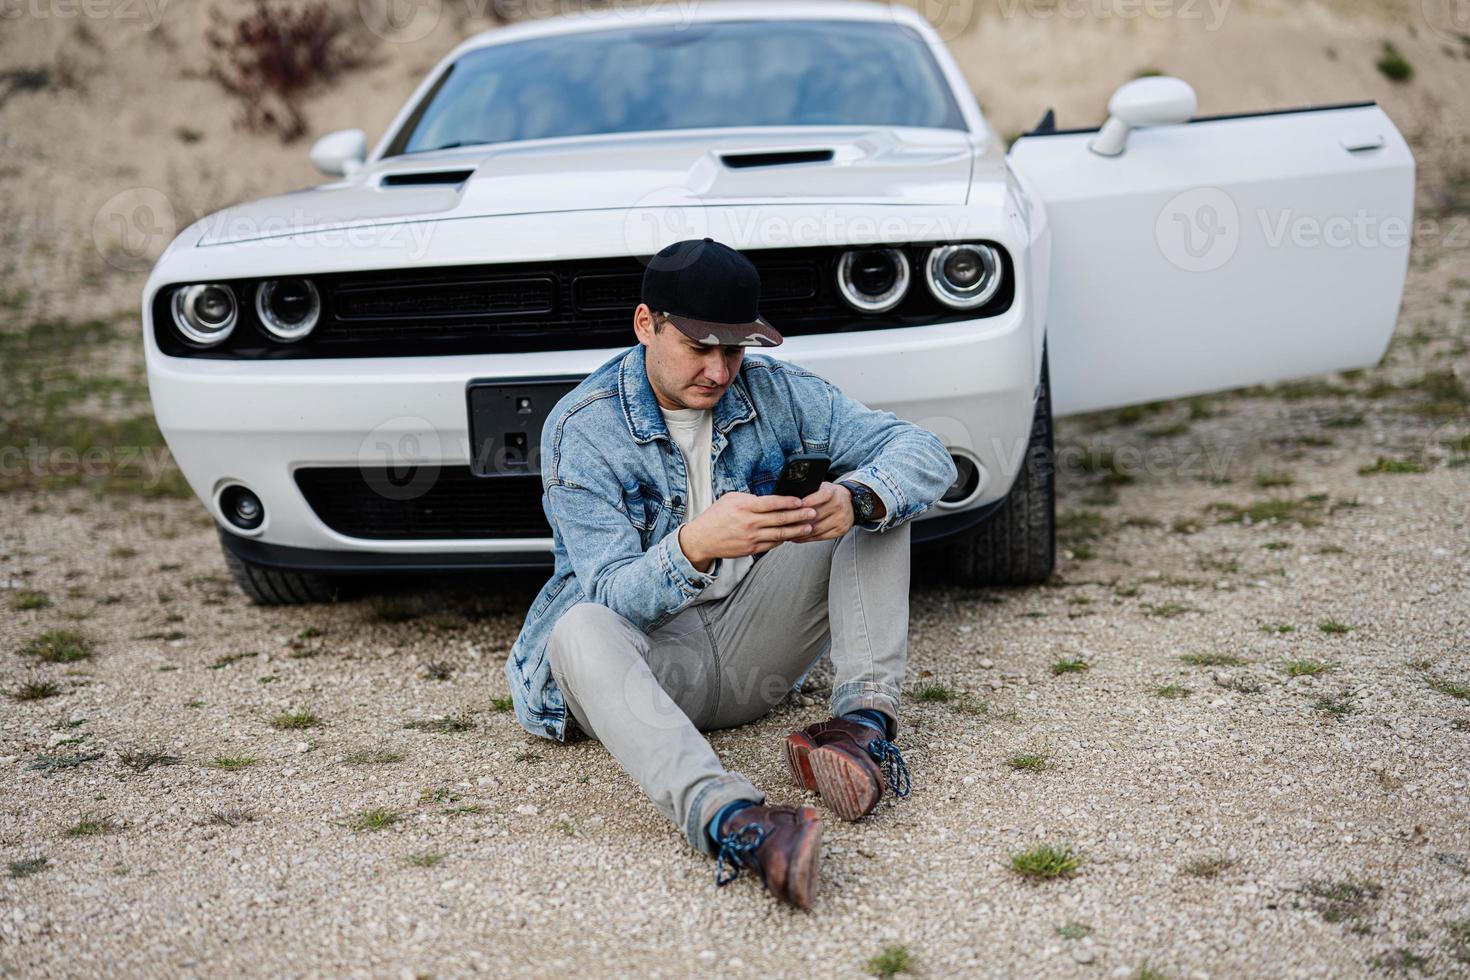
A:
[(424, 177), (779, 158)]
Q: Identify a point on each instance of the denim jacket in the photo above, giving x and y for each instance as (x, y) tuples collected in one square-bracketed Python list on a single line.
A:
[(616, 488)]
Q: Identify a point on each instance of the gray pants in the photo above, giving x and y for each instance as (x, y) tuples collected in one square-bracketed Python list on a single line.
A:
[(647, 696)]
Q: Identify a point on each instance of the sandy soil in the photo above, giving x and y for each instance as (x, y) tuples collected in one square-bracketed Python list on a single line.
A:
[(1328, 809), (1257, 823)]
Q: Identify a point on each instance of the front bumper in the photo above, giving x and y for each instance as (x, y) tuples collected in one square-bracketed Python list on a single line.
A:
[(256, 422)]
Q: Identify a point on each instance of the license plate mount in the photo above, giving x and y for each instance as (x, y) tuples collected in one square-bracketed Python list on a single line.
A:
[(505, 420)]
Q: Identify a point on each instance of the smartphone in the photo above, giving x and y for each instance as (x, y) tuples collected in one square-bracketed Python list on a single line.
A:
[(802, 475)]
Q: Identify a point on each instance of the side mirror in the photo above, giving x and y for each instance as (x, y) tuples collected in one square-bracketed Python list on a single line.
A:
[(1158, 101), (340, 154)]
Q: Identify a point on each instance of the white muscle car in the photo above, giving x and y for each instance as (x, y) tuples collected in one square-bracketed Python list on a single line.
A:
[(353, 377)]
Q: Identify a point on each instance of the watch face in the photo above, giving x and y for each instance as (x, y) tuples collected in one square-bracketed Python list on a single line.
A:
[(862, 502)]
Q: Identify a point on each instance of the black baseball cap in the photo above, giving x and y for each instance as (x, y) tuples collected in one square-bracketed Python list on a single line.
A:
[(710, 292)]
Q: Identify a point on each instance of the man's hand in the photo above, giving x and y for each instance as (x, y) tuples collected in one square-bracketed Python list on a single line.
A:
[(741, 524), (833, 504)]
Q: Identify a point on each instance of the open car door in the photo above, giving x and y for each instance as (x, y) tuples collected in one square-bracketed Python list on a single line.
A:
[(1221, 252)]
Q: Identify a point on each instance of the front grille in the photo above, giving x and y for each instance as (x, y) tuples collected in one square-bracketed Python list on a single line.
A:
[(570, 305), (396, 504), (366, 307)]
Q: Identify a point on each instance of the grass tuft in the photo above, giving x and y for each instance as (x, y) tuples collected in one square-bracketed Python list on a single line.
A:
[(1027, 762), (225, 660), (1400, 960), (36, 691), (233, 763), (1075, 665), (26, 599), (1333, 627), (438, 670), (25, 867), (932, 693), (502, 704), (1339, 901), (231, 818), (1307, 667), (1167, 610), (58, 647), (1046, 861), (90, 827), (47, 764), (293, 720), (892, 961), (425, 859), (372, 757), (446, 725), (376, 818), (1454, 690), (141, 760), (1074, 930), (1172, 692), (1274, 510), (1207, 867), (1393, 466), (1213, 660), (1337, 706), (1393, 65)]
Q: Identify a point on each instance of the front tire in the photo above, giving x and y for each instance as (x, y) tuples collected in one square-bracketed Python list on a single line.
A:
[(1017, 544), (270, 587)]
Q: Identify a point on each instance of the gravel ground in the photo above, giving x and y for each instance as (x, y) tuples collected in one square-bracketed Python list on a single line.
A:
[(1256, 823)]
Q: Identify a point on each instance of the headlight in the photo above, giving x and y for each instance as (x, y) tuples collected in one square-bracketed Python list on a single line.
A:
[(873, 279), (288, 308), (963, 276), (205, 314)]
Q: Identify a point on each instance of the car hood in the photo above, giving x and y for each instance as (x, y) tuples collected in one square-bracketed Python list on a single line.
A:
[(713, 168)]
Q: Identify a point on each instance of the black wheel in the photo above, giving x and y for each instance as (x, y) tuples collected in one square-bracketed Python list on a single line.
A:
[(269, 587), (1017, 544)]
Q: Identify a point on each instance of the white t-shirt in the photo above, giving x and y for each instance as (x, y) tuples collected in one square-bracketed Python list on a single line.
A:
[(692, 429)]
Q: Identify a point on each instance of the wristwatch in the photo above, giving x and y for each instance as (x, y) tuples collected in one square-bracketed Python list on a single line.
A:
[(864, 501)]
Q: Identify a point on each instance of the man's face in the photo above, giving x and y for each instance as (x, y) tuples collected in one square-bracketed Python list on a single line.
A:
[(683, 373)]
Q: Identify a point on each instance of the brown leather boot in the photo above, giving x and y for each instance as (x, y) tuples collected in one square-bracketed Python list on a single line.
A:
[(840, 760), (781, 844)]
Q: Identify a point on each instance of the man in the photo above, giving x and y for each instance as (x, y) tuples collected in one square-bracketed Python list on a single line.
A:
[(688, 597)]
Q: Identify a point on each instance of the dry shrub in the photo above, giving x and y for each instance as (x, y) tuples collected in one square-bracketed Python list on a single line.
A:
[(275, 55)]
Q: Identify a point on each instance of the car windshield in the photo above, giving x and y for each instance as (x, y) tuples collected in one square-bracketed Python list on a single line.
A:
[(691, 76)]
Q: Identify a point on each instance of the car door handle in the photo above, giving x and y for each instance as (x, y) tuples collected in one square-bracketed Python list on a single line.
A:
[(1359, 142)]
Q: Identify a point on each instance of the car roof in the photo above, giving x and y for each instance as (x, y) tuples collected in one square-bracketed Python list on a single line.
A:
[(685, 12)]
